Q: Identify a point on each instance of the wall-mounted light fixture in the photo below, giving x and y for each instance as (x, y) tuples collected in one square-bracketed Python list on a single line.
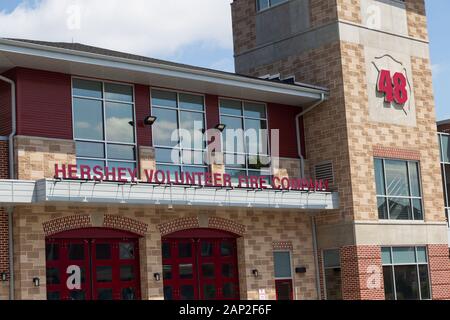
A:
[(157, 276), (3, 277), (255, 273), (221, 127), (300, 270), (36, 282), (150, 120)]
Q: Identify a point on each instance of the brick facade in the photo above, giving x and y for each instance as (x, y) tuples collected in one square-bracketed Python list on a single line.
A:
[(439, 265)]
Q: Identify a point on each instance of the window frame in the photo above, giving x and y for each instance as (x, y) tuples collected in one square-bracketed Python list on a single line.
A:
[(325, 291), (444, 175), (105, 142), (178, 111), (243, 118), (284, 279), (411, 198), (270, 6), (416, 264)]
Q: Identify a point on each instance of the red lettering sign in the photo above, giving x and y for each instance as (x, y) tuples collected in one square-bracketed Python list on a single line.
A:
[(393, 88)]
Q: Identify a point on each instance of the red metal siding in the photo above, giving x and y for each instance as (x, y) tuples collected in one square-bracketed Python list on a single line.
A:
[(282, 117), (44, 104), (212, 111), (5, 108), (144, 133)]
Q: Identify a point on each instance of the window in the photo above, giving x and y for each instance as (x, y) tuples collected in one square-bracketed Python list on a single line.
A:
[(444, 144), (283, 275), (245, 140), (332, 274), (265, 4), (178, 132), (103, 118), (405, 273), (398, 190)]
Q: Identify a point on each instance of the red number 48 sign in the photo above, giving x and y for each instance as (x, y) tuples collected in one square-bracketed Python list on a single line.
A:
[(394, 88)]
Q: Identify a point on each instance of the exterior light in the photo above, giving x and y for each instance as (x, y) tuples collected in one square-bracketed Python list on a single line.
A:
[(3, 277), (157, 276), (36, 282), (150, 120), (300, 270), (255, 273), (221, 127)]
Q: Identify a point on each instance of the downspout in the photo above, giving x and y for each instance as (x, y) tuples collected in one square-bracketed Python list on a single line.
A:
[(12, 177), (316, 256), (299, 142)]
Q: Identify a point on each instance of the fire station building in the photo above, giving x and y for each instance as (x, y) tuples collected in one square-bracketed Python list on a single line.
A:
[(101, 198)]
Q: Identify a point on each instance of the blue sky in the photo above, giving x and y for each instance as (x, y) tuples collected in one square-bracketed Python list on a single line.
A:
[(199, 45)]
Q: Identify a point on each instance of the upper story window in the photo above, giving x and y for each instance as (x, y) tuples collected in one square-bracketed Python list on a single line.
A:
[(103, 121), (399, 193), (444, 144), (265, 4), (178, 133), (245, 140)]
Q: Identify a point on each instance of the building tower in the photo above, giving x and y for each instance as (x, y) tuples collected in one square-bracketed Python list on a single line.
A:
[(373, 56)]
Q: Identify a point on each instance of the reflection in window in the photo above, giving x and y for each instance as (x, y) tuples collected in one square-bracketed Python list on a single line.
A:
[(405, 273), (245, 139), (399, 194), (178, 131), (104, 124), (444, 145)]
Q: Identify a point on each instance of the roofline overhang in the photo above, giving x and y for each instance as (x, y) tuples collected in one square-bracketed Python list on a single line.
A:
[(172, 71)]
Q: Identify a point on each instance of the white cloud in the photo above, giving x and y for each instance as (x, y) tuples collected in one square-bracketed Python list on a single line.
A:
[(148, 27)]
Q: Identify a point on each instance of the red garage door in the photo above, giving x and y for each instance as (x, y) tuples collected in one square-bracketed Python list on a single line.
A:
[(93, 264), (200, 264)]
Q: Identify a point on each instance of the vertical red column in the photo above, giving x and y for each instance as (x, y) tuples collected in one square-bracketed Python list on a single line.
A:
[(439, 264), (142, 105), (4, 254), (362, 273)]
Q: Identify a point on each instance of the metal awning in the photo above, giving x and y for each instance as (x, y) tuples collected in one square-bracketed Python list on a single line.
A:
[(14, 192)]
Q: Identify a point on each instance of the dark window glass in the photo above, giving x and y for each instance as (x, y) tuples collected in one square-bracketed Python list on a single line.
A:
[(424, 282), (105, 294), (127, 273), (191, 102), (406, 282), (88, 119), (382, 208), (226, 249), (207, 249), (282, 262), (103, 251), (121, 152), (227, 271), (446, 148), (86, 88), (164, 99), (119, 122), (333, 283), (168, 293), (397, 178), (90, 150), (76, 252), (379, 177), (166, 250), (275, 2), (185, 250), (284, 290), (77, 295), (414, 179), (400, 208), (126, 251), (331, 258), (262, 4), (165, 127), (447, 182), (53, 276), (417, 209), (209, 292), (128, 294), (118, 92), (104, 274), (186, 271), (187, 292), (208, 270), (167, 272), (389, 290), (53, 296), (229, 291), (52, 252)]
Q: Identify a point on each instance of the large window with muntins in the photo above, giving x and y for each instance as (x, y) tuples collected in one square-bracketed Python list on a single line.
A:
[(178, 133), (406, 274), (444, 144), (399, 194), (332, 274), (245, 141), (103, 121)]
